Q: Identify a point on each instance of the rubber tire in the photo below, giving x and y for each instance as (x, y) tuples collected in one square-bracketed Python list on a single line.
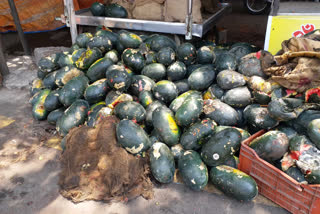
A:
[(262, 11)]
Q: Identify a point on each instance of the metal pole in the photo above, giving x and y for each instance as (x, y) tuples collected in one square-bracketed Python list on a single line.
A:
[(3, 64), (16, 19), (189, 21), (71, 20)]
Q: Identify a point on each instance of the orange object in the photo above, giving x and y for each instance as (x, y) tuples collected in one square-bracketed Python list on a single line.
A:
[(37, 15), (277, 185)]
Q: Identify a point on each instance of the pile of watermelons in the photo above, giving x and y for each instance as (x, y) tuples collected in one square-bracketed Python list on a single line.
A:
[(189, 106)]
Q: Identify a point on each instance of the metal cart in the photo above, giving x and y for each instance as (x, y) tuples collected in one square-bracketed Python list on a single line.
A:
[(290, 19), (73, 18)]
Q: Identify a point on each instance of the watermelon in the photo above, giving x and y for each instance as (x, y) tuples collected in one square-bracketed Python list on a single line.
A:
[(176, 71), (116, 11), (193, 171), (187, 53), (271, 146), (97, 9), (155, 71), (165, 91), (234, 183), (132, 137), (162, 163)]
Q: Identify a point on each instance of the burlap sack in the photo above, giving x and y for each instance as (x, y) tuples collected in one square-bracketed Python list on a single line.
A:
[(176, 11), (95, 167), (209, 6), (148, 10)]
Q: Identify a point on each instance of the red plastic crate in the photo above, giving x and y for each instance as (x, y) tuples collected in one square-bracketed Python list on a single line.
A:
[(277, 185)]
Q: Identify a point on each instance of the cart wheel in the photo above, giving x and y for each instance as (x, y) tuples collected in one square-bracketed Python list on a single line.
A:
[(256, 7)]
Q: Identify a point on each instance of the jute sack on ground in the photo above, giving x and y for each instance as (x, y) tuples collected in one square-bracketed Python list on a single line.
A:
[(176, 11), (148, 10), (95, 167)]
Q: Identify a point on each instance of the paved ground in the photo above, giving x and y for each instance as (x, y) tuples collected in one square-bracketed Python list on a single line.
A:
[(29, 158)]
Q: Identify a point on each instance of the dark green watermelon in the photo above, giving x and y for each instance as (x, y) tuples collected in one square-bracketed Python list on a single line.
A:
[(65, 59), (221, 113), (74, 116), (182, 86), (197, 134), (36, 86), (213, 92), (226, 61), (187, 53), (112, 56), (176, 71), (165, 91), (201, 78), (49, 80), (150, 108), (49, 63), (164, 123), (132, 137), (284, 109), (65, 74), (133, 59), (130, 110), (290, 132), (229, 79), (130, 40), (155, 71), (250, 66), (205, 55), (190, 110), (88, 58), (141, 83), (166, 56), (234, 183), (116, 11), (160, 41), (151, 57), (76, 54), (221, 146), (232, 162), (96, 92), (114, 37), (146, 98), (193, 171), (97, 9), (314, 131), (259, 117), (271, 146), (54, 116), (82, 40), (103, 43), (162, 163), (261, 97), (296, 174), (301, 123), (73, 90), (39, 112), (98, 69), (52, 101), (118, 78), (237, 97), (93, 113)]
